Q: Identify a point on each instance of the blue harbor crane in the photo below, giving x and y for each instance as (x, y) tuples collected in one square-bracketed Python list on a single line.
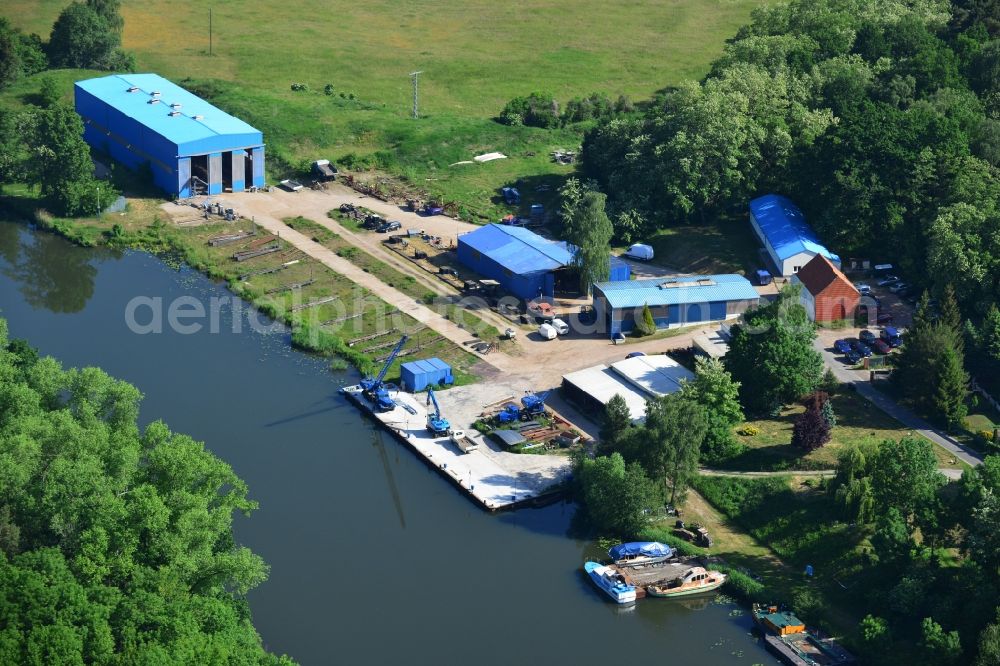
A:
[(374, 389), (437, 424)]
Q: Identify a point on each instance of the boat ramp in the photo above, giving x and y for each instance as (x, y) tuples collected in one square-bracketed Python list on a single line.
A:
[(495, 480)]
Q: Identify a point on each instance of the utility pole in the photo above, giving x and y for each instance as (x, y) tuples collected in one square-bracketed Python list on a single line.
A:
[(98, 201), (415, 76), (209, 31)]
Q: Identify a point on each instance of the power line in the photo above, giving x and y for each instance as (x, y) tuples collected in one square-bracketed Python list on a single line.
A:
[(415, 76)]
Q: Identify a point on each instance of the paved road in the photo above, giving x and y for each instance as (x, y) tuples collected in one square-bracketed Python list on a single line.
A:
[(864, 388), (949, 472)]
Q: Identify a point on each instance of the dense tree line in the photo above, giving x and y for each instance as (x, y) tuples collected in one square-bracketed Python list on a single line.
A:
[(116, 542), (933, 570), (881, 119), (85, 35), (639, 466), (45, 147)]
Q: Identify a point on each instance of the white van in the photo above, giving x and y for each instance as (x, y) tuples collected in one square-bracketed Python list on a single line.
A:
[(640, 251), (562, 328), (548, 332)]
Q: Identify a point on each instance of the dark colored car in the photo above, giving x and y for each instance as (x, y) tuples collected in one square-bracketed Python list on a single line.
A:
[(881, 347), (867, 336), (884, 319), (888, 280), (842, 346), (862, 349), (635, 354), (891, 336), (853, 357)]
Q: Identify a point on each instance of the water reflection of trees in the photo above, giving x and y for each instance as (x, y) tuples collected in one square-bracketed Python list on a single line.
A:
[(50, 272)]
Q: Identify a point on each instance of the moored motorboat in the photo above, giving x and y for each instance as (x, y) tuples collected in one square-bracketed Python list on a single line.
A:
[(611, 581), (696, 580), (640, 553)]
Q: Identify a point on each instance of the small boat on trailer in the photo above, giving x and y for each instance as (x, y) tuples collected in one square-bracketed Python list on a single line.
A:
[(640, 553), (696, 580), (611, 582)]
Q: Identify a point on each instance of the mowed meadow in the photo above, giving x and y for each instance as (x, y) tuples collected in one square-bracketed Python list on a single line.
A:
[(475, 55)]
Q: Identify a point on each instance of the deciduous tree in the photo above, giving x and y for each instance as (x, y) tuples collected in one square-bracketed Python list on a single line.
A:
[(616, 421), (771, 354), (614, 493), (674, 431)]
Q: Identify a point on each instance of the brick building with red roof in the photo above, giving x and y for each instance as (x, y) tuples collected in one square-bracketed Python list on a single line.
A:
[(827, 294)]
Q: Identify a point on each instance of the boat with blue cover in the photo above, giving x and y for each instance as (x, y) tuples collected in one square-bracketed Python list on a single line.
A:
[(611, 581), (640, 553)]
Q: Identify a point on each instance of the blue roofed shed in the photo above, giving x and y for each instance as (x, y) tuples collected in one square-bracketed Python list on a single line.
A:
[(524, 263), (191, 145), (520, 260), (418, 375), (782, 228), (674, 302)]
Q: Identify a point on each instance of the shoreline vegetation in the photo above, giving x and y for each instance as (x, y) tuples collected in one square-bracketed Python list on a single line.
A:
[(116, 541)]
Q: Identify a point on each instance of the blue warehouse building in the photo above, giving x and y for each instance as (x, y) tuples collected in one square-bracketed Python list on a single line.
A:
[(680, 301), (524, 263), (789, 240), (191, 146)]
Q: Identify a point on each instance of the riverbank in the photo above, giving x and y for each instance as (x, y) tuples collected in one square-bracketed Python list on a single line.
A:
[(329, 314), (339, 498)]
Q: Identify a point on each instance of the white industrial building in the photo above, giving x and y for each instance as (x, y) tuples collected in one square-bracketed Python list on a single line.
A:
[(635, 379)]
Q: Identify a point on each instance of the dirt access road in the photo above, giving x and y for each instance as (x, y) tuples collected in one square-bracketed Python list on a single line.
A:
[(538, 363)]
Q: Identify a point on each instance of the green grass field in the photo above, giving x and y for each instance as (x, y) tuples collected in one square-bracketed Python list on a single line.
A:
[(474, 55), (858, 421)]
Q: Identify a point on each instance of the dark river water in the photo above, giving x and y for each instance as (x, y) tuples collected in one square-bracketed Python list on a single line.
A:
[(375, 559)]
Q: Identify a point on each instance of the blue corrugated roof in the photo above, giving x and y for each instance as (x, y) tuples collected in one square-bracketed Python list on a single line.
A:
[(518, 249), (785, 228), (179, 129), (690, 289)]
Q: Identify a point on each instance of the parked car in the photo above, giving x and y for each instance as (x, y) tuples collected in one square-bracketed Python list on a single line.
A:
[(884, 319), (562, 328), (888, 280), (881, 347), (867, 336), (863, 289), (635, 354), (639, 251), (891, 336), (842, 346), (853, 357), (447, 270), (548, 332), (862, 348), (899, 287)]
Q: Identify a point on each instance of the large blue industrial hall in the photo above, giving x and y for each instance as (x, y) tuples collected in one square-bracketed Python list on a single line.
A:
[(191, 146)]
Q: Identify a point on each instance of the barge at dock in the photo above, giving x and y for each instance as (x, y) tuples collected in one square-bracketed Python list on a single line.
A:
[(787, 637)]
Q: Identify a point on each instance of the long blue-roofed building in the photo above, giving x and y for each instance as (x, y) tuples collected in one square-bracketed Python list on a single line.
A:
[(679, 301), (524, 263), (191, 146), (782, 228)]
